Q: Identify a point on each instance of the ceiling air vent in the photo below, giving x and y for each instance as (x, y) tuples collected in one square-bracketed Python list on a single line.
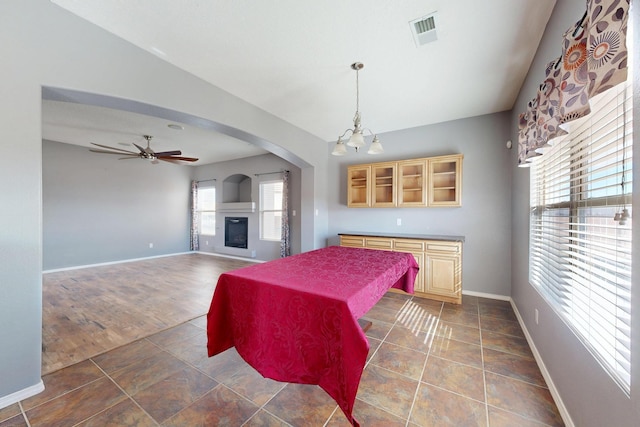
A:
[(424, 29)]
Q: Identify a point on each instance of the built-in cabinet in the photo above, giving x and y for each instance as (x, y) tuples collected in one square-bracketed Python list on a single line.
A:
[(439, 259), (430, 181)]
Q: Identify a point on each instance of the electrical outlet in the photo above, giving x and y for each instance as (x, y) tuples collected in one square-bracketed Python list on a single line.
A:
[(399, 221), (206, 242), (150, 245), (537, 316)]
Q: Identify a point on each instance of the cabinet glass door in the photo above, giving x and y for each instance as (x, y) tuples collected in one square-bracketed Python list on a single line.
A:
[(384, 188), (358, 186), (411, 181)]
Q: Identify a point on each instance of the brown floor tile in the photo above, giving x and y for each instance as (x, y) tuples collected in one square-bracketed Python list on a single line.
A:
[(489, 302), (437, 407), (15, 421), (470, 300), (124, 356), (499, 418), (415, 315), (378, 313), (458, 332), (461, 307), (148, 371), (374, 344), (9, 412), (367, 415), (524, 399), (63, 381), (191, 349), (501, 326), (400, 360), (249, 383), (125, 413), (167, 397), (264, 419), (417, 339), (461, 379), (499, 312), (457, 351), (513, 366), (220, 406), (225, 363), (506, 343), (378, 329), (392, 303), (302, 405), (178, 333), (387, 390), (461, 317), (76, 405)]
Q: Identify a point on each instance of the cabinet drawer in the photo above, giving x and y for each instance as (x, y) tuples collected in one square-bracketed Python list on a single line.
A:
[(353, 241), (444, 247), (379, 243), (408, 245)]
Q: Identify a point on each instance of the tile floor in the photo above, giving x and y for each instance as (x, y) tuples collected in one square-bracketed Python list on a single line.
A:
[(430, 364)]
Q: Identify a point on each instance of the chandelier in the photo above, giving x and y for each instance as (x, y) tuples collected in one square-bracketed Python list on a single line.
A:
[(357, 137)]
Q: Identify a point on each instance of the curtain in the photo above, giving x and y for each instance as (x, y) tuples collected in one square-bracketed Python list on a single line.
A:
[(593, 60), (285, 242), (195, 245)]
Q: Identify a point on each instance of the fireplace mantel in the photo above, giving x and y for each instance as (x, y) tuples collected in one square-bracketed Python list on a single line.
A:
[(245, 207)]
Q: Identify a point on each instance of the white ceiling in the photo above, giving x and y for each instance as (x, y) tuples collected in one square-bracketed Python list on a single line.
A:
[(292, 58)]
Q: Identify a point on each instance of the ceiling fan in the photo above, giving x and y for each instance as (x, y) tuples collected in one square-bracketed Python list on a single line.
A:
[(174, 156)]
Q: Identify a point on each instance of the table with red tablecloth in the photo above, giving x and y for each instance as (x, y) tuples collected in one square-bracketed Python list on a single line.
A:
[(295, 319)]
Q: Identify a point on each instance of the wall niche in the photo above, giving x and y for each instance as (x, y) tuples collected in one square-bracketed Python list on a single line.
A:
[(236, 188)]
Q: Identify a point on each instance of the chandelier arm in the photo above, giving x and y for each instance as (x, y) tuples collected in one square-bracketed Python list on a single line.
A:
[(345, 133)]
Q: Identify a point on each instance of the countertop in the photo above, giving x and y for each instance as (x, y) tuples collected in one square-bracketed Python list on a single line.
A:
[(405, 236)]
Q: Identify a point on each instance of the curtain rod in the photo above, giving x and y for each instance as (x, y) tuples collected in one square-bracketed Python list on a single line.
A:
[(270, 173), (207, 180)]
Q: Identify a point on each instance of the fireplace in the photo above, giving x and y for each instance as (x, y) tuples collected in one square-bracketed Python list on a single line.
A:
[(235, 232)]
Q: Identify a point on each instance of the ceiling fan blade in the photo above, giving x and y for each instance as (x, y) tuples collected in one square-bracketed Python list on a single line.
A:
[(114, 152), (184, 159), (130, 156), (176, 160), (114, 148), (142, 150), (169, 153)]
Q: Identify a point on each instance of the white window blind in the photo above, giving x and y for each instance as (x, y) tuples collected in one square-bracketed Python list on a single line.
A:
[(580, 257), (207, 210), (271, 210)]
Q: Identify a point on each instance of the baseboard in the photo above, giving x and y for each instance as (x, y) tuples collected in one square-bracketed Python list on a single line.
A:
[(486, 295), (230, 256), (78, 267), (568, 422), (21, 395)]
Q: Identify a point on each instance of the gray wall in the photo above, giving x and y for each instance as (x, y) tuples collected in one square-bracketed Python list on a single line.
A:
[(45, 46), (485, 216), (588, 393), (265, 250), (97, 209)]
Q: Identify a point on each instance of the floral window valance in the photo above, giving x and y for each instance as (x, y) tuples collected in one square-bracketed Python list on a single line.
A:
[(593, 60)]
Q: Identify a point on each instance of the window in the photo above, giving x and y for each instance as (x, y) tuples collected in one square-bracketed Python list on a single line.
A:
[(580, 256), (207, 211), (271, 210)]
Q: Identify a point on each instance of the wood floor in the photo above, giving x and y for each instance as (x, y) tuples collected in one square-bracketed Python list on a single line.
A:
[(89, 311)]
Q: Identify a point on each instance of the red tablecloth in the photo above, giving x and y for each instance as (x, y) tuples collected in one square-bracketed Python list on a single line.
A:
[(295, 319)]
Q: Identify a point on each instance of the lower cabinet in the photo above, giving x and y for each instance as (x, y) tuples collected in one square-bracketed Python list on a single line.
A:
[(440, 262)]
